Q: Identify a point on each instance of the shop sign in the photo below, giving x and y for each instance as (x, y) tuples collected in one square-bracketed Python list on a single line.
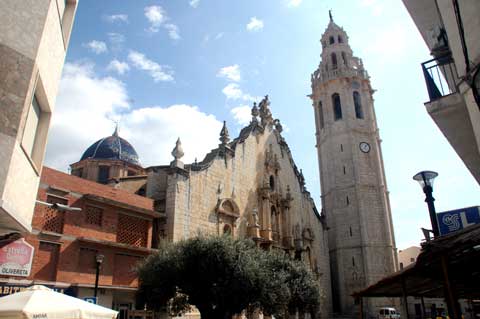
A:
[(16, 258), (454, 220), (8, 289)]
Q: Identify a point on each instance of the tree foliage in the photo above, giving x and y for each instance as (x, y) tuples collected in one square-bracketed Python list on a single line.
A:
[(222, 276)]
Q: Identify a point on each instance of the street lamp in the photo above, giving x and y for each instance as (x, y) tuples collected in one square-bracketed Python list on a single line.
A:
[(425, 178), (99, 260)]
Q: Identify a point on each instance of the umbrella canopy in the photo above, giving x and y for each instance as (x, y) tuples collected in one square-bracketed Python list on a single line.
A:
[(40, 302)]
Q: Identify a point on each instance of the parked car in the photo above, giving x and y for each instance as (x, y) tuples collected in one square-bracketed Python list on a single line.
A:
[(388, 313)]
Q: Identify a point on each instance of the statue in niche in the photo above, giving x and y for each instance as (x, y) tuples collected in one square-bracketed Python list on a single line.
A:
[(255, 218)]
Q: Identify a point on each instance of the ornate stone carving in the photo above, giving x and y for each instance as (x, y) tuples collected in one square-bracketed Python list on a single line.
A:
[(265, 113)]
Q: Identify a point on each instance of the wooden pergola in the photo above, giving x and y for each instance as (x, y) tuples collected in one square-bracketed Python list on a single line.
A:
[(447, 267)]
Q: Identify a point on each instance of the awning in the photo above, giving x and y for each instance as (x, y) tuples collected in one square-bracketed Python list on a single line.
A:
[(459, 251)]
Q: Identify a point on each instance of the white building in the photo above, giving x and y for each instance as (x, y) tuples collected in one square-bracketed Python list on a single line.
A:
[(451, 31), (34, 38)]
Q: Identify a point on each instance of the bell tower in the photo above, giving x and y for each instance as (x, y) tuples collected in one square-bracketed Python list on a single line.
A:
[(353, 186)]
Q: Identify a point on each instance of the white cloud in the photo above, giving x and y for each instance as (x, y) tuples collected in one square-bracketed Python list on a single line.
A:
[(120, 18), (231, 72), (172, 31), (116, 38), (294, 3), (96, 47), (194, 3), (233, 92), (118, 66), (156, 16), (242, 114), (255, 24), (156, 71), (87, 104)]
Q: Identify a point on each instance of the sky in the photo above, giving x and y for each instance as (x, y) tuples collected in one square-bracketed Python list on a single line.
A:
[(165, 69)]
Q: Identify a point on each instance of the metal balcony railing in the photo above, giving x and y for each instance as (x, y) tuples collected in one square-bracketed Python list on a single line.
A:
[(440, 76)]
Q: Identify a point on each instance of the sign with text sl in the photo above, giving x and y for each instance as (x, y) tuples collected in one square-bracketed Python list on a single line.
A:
[(16, 258), (454, 220)]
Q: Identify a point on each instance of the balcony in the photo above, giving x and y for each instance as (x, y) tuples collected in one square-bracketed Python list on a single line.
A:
[(449, 110), (440, 76)]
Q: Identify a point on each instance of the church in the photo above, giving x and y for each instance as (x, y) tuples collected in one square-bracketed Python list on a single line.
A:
[(250, 187)]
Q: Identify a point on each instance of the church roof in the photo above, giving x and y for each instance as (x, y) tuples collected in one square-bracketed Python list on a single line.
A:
[(112, 148)]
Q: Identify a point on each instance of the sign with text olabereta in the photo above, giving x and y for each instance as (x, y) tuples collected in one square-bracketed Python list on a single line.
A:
[(16, 258)]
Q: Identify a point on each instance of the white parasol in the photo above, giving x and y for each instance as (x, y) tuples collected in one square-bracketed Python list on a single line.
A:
[(40, 302)]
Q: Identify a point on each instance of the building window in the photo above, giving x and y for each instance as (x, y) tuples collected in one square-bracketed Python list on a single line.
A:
[(344, 170), (351, 233), (341, 147), (87, 260), (340, 39), (78, 172), (348, 201), (337, 107), (131, 173), (334, 60), (93, 215), (358, 105), (132, 230), (47, 256), (412, 260), (103, 174), (53, 219), (33, 139), (353, 261), (272, 183), (320, 114), (332, 40), (401, 266), (227, 230)]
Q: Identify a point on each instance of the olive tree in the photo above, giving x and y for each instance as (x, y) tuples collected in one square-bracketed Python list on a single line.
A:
[(222, 277)]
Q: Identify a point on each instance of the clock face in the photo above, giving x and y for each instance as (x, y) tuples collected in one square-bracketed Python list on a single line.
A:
[(364, 147)]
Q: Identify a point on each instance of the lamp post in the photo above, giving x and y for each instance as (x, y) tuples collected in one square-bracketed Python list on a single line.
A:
[(425, 178), (99, 260)]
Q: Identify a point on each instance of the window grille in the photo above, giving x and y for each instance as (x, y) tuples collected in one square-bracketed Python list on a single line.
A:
[(53, 219), (93, 215), (132, 230)]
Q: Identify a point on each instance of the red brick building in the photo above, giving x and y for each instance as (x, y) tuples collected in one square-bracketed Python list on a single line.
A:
[(112, 222)]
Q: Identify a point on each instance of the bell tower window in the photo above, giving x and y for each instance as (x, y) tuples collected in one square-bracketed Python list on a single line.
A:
[(334, 60), (320, 114), (340, 39), (358, 105), (332, 40), (337, 107)]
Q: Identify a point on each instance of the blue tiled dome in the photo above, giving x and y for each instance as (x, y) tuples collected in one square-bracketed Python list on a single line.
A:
[(112, 147)]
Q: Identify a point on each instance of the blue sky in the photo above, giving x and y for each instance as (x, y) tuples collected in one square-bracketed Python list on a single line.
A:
[(170, 68)]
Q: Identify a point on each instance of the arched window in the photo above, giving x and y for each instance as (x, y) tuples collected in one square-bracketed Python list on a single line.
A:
[(272, 183), (344, 58), (227, 230), (320, 114), (340, 39), (337, 107), (334, 60), (358, 105), (332, 40)]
